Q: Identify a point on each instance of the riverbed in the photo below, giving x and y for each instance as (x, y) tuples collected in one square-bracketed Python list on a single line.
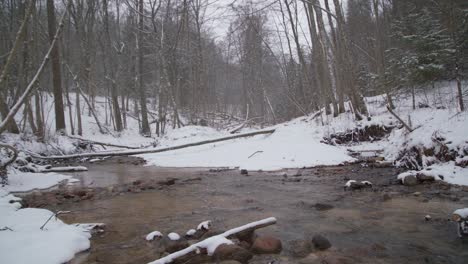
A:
[(383, 224)]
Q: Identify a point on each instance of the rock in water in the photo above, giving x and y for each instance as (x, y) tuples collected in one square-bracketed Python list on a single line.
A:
[(172, 246), (300, 248), (320, 242), (323, 207), (423, 177), (232, 252), (267, 245), (410, 180), (244, 172)]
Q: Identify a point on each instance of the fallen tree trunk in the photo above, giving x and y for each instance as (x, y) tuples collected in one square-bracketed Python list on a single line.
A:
[(215, 241), (147, 151), (399, 119), (101, 143), (243, 124)]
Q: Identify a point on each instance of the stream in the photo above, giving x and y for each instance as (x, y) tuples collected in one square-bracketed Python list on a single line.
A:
[(385, 224)]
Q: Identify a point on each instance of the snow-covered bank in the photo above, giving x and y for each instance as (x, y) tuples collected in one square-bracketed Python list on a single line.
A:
[(23, 242), (294, 144), (21, 237), (28, 181)]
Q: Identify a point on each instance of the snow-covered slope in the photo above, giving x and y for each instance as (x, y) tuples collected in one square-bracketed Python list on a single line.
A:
[(294, 144)]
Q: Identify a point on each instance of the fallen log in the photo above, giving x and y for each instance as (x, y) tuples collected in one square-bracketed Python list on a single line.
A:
[(243, 123), (101, 143), (211, 243), (147, 151), (399, 119)]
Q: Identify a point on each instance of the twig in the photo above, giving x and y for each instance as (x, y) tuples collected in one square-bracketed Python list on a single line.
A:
[(54, 215), (258, 151)]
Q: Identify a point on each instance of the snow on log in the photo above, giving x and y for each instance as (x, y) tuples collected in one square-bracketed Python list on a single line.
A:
[(153, 150), (31, 167), (211, 243), (100, 143)]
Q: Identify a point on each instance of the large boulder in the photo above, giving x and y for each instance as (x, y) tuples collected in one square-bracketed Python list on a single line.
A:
[(232, 252), (267, 245), (410, 180)]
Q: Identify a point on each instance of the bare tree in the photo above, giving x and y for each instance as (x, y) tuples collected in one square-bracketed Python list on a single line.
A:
[(56, 75)]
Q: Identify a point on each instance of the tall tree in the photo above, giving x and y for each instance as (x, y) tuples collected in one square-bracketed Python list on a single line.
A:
[(109, 51), (56, 74), (145, 128)]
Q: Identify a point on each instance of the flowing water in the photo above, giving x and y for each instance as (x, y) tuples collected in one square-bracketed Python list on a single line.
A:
[(362, 226)]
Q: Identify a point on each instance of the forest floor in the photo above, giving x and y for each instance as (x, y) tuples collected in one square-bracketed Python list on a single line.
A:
[(383, 224)]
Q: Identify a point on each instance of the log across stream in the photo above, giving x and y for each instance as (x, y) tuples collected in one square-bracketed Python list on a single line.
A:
[(384, 225)]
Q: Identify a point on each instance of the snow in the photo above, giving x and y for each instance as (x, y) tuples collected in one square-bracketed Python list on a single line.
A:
[(26, 243), (348, 183), (366, 183), (191, 232), (205, 225), (294, 144), (173, 236), (463, 213), (151, 236), (447, 171), (213, 242), (28, 181)]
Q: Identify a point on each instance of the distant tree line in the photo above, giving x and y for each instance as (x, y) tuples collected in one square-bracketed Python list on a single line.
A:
[(160, 57)]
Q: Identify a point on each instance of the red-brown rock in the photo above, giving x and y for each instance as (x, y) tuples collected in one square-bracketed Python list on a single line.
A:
[(267, 245)]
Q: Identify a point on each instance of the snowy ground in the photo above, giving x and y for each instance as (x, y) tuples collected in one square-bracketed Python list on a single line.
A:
[(22, 240), (293, 145)]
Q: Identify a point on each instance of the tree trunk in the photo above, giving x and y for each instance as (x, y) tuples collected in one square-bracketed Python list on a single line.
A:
[(460, 94), (117, 117), (145, 129), (56, 75)]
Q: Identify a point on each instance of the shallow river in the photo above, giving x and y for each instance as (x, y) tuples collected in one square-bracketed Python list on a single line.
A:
[(362, 226)]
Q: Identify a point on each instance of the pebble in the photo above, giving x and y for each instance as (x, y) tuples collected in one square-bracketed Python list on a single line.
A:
[(320, 242)]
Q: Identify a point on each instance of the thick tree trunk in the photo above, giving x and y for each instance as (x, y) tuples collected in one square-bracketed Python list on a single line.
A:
[(113, 92), (56, 75), (145, 128)]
